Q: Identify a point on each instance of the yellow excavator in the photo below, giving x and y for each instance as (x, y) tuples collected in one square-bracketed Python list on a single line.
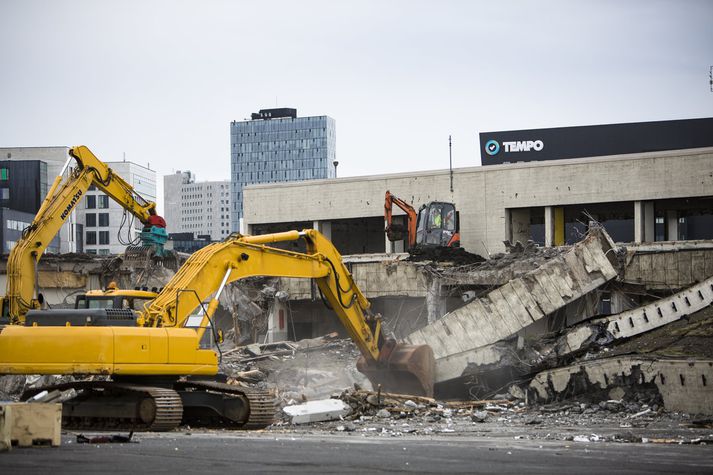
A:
[(22, 292), (156, 368)]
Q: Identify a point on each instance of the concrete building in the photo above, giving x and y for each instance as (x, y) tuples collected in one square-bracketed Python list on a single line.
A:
[(277, 146), (54, 159), (12, 223), (641, 197), (199, 208), (108, 228)]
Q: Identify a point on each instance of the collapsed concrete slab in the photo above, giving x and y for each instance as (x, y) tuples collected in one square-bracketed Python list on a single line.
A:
[(465, 336), (684, 384), (637, 321)]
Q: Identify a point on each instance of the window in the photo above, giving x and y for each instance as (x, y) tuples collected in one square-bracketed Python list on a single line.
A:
[(103, 219), (103, 201), (91, 237), (91, 220), (4, 193), (4, 174), (103, 237), (91, 201), (103, 252)]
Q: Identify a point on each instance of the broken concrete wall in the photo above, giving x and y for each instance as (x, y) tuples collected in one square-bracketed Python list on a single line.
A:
[(670, 265), (685, 385), (637, 321), (464, 336), (381, 277)]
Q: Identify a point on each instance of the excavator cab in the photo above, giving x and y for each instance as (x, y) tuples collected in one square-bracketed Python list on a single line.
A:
[(437, 225)]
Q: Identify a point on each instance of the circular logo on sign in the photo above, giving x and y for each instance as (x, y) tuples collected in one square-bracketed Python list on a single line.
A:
[(492, 147)]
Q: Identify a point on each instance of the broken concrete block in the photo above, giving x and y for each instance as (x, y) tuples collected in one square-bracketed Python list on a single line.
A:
[(35, 423), (317, 411), (617, 393), (479, 416), (5, 428)]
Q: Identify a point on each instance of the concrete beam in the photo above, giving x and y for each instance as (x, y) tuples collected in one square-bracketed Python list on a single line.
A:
[(461, 336)]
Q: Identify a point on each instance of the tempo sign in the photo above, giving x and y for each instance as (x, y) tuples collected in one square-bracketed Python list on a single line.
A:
[(594, 140)]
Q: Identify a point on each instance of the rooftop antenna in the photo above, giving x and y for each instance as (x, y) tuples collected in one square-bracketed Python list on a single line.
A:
[(450, 160), (124, 156)]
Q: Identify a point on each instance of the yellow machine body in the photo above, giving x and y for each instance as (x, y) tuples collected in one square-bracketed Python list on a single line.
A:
[(162, 343), (103, 350)]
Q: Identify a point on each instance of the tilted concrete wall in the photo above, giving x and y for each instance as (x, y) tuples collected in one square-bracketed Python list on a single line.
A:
[(670, 265), (462, 337), (482, 194)]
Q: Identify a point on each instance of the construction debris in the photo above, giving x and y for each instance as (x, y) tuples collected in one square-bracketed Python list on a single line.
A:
[(317, 411), (30, 424), (468, 336)]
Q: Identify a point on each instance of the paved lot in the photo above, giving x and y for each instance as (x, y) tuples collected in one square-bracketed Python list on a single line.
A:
[(354, 453)]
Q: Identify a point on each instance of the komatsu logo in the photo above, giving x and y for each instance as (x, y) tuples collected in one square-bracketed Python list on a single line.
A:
[(71, 204), (523, 146)]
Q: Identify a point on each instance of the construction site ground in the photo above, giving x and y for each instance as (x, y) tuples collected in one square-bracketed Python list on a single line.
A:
[(492, 448)]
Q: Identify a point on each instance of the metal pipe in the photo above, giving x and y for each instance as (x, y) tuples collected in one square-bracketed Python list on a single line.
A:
[(275, 237), (212, 306)]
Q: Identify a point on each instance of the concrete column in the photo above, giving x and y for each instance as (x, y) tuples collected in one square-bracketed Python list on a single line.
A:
[(518, 223), (277, 322), (644, 222), (649, 222), (398, 246), (639, 220), (324, 227), (549, 226), (435, 302), (672, 224)]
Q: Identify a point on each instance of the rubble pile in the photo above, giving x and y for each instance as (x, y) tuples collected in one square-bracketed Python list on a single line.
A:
[(299, 371), (636, 417)]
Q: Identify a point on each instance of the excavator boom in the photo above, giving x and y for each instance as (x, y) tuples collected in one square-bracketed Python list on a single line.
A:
[(60, 201), (164, 344), (395, 232)]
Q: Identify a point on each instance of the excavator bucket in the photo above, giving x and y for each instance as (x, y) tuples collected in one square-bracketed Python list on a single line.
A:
[(408, 369)]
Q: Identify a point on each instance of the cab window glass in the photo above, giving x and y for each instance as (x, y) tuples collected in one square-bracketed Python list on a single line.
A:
[(100, 303)]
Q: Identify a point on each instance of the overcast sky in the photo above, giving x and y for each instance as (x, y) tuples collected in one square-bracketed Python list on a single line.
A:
[(162, 80)]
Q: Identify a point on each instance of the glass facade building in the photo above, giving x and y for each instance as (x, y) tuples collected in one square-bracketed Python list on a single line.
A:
[(273, 148)]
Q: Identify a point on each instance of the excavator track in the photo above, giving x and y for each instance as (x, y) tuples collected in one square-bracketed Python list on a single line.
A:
[(261, 404), (108, 405)]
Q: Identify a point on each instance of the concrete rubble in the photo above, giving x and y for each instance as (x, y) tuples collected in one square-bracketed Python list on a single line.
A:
[(539, 335), (468, 336)]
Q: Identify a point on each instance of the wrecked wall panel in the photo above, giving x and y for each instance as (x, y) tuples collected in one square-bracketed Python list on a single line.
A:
[(683, 384), (503, 313), (661, 312)]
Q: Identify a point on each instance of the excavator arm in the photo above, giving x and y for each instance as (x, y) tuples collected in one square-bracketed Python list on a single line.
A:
[(395, 232), (167, 338), (61, 199), (207, 271)]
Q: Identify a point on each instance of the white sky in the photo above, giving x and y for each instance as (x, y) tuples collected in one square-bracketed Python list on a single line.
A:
[(162, 80)]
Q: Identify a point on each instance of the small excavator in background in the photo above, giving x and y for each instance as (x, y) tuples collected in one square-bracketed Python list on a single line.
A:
[(160, 369), (432, 233), (435, 224), (22, 292)]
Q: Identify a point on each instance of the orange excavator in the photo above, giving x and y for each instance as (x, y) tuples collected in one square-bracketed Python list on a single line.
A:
[(434, 225)]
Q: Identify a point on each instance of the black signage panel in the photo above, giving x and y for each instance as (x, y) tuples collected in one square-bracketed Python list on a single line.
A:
[(594, 140)]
